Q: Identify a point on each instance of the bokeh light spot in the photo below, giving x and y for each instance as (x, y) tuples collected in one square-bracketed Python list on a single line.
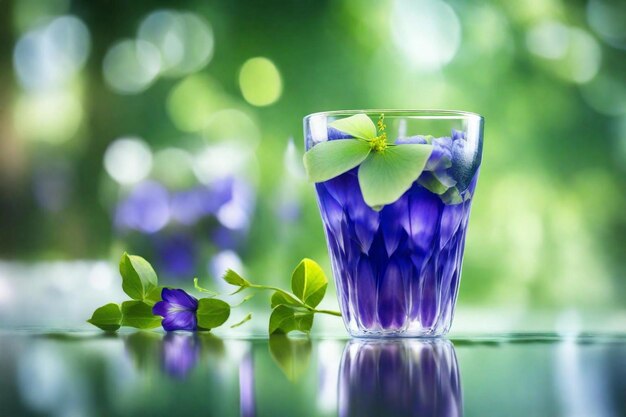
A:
[(608, 19), (128, 160), (232, 125), (131, 66), (575, 55), (427, 32), (606, 95), (58, 115), (192, 101), (184, 40), (260, 82), (51, 55), (222, 160), (548, 40)]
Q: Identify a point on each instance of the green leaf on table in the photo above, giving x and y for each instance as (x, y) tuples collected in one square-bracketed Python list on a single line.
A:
[(308, 282), (291, 355), (242, 321), (360, 126), (329, 159), (285, 319), (212, 313), (282, 298), (138, 277), (108, 317), (138, 314), (386, 175), (154, 296)]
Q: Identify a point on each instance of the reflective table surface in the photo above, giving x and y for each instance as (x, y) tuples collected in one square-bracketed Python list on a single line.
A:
[(84, 373)]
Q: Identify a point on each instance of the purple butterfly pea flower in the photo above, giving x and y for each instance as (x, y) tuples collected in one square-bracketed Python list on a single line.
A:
[(178, 310)]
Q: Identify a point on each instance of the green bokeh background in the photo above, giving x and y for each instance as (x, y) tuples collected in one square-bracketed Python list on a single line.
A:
[(548, 225)]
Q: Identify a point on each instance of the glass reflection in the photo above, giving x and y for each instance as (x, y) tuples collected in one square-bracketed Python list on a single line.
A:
[(400, 378)]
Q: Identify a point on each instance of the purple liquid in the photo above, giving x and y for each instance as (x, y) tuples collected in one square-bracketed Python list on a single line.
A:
[(397, 271)]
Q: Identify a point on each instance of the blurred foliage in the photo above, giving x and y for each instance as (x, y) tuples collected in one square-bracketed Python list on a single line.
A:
[(549, 219)]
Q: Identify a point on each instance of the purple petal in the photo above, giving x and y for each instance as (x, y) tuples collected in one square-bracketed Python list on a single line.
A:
[(458, 134), (161, 308), (390, 226), (391, 302), (450, 220), (427, 300), (422, 218), (366, 292), (337, 134), (179, 299), (441, 157), (180, 320), (344, 187), (365, 221), (331, 210)]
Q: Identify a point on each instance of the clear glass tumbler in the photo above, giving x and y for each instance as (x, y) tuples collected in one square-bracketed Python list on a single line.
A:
[(397, 269)]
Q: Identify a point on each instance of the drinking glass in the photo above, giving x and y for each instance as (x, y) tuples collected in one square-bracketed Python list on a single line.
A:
[(397, 270)]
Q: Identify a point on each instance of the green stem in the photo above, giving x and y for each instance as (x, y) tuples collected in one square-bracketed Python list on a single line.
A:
[(290, 295), (331, 312)]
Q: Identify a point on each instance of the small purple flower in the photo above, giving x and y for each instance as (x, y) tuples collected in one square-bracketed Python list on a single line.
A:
[(178, 310)]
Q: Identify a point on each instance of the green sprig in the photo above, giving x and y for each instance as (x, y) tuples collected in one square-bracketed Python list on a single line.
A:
[(292, 310)]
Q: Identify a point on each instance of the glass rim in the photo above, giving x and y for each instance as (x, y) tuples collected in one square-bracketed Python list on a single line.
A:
[(408, 113)]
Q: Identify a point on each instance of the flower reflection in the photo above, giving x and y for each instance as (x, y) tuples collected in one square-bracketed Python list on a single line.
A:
[(180, 354), (400, 378), (175, 354)]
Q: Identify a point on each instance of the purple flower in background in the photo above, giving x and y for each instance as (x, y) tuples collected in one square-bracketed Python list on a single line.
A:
[(178, 310)]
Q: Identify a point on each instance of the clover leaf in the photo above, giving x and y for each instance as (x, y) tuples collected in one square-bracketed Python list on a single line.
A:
[(386, 175), (386, 170), (332, 158)]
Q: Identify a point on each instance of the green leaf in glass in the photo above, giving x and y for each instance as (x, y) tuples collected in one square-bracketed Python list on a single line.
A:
[(212, 313), (138, 277), (386, 175), (291, 355), (360, 126), (308, 282), (108, 317), (138, 314), (285, 319), (452, 196), (329, 159), (429, 181)]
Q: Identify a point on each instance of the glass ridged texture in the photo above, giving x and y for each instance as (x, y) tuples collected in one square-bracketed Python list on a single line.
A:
[(397, 270)]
